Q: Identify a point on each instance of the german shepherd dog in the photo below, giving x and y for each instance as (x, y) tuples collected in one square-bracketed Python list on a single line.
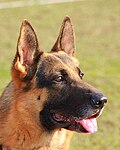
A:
[(47, 98)]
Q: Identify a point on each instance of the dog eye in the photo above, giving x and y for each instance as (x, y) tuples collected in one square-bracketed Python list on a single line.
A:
[(81, 74), (59, 79)]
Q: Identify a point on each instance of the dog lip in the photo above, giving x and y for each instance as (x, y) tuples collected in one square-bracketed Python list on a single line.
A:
[(95, 115), (71, 123), (58, 117), (60, 120), (67, 123)]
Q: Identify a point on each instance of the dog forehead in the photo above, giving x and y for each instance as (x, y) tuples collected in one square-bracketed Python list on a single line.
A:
[(66, 59), (58, 60)]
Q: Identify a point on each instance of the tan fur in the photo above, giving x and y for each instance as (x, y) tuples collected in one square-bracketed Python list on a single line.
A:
[(21, 127)]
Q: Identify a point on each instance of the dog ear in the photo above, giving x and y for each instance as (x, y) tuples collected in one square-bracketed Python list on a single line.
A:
[(66, 38), (27, 54)]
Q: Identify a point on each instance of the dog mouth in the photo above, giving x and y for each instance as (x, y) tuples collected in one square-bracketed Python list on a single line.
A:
[(86, 125)]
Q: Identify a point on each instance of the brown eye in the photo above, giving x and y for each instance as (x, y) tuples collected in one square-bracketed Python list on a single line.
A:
[(59, 79), (81, 75)]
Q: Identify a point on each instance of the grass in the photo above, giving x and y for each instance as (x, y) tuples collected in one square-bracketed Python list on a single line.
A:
[(97, 26)]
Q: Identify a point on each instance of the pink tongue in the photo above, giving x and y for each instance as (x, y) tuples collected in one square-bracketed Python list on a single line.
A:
[(89, 124)]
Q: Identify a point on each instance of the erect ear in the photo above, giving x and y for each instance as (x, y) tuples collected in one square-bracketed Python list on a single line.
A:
[(27, 53), (66, 39)]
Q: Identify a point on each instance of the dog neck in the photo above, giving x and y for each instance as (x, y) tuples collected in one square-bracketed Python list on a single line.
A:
[(20, 130), (59, 140)]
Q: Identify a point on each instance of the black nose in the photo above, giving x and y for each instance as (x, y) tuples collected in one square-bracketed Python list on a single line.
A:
[(99, 100)]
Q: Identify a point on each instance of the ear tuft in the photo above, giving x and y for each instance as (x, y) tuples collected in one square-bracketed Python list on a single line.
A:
[(19, 67)]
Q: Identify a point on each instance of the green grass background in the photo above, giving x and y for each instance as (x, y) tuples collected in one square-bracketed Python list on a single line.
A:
[(97, 27)]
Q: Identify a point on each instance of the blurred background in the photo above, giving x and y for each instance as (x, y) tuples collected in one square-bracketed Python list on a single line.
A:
[(97, 27)]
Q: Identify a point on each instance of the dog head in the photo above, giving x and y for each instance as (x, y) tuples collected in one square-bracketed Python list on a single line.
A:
[(51, 83)]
